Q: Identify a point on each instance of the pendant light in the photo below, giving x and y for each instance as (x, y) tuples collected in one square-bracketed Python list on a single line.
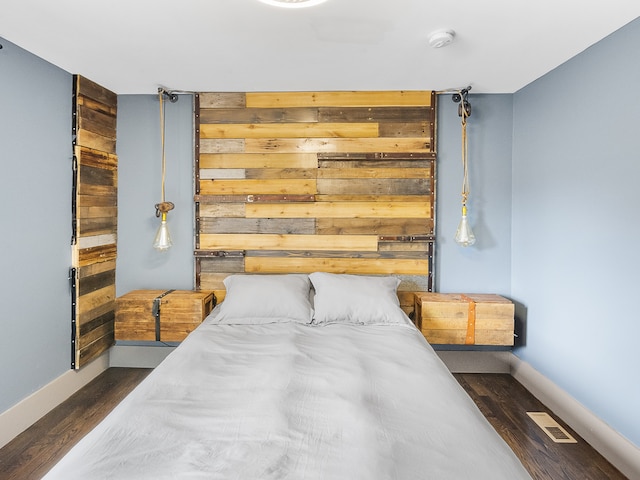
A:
[(162, 241), (464, 233)]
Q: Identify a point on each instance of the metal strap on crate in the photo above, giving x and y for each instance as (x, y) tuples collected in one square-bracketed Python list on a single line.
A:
[(155, 310), (470, 339)]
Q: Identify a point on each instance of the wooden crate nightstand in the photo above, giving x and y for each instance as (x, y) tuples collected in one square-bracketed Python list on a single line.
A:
[(465, 319), (175, 315)]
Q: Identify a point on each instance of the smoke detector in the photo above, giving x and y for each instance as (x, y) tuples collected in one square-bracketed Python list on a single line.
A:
[(441, 38), (293, 3)]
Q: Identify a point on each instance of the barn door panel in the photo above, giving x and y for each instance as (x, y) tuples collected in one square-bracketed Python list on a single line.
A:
[(94, 220)]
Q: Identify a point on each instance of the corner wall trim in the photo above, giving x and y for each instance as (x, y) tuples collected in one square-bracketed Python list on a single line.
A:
[(27, 412), (618, 450)]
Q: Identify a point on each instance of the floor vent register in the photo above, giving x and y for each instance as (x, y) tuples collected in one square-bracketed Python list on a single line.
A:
[(552, 428)]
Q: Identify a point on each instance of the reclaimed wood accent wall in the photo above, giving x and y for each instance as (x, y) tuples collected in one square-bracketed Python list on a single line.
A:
[(94, 205), (300, 182)]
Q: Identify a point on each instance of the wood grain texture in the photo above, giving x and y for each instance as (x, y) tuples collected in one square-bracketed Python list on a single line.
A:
[(339, 99), (313, 181), (95, 219), (34, 452), (504, 402)]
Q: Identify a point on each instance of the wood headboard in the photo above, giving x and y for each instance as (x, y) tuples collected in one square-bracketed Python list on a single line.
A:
[(340, 182)]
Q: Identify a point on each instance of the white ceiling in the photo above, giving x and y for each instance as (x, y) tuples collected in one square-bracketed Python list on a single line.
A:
[(134, 46)]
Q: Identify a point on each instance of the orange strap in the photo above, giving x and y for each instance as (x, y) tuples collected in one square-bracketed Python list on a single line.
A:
[(471, 321)]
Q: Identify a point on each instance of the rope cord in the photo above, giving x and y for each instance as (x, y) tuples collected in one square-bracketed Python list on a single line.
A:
[(465, 166), (160, 95)]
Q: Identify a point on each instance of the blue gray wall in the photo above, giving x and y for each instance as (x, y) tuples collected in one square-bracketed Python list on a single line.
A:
[(575, 227), (35, 226), (139, 189), (486, 266)]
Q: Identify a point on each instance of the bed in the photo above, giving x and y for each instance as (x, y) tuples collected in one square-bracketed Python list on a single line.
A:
[(286, 381)]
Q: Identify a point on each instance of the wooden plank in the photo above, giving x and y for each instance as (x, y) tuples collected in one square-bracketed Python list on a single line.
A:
[(373, 186), (288, 242), (375, 114), (96, 201), (270, 173), (338, 99), (96, 298), (260, 198), (374, 255), (97, 190), (213, 173), (326, 173), (258, 160), (97, 281), (258, 115), (269, 186), (294, 145), (340, 210), (406, 246), (378, 156), (95, 158), (221, 100), (256, 173), (233, 145), (288, 130), (85, 329), (89, 139), (91, 104), (96, 226), (95, 317), (91, 241), (406, 129), (426, 198), (88, 88), (374, 226), (94, 255), (88, 157), (98, 176), (221, 264), (371, 161), (95, 269), (297, 226), (362, 266), (110, 212), (105, 329), (94, 350), (98, 122), (223, 210)]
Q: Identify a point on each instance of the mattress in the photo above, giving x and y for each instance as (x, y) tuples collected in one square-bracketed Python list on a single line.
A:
[(286, 400)]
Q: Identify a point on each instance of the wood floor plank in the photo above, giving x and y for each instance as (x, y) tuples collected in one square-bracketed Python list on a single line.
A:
[(504, 402), (32, 453)]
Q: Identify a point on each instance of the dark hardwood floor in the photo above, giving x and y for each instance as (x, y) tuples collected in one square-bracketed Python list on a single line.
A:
[(500, 398), (32, 453), (504, 402)]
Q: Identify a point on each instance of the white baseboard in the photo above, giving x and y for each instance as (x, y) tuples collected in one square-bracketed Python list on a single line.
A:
[(27, 412), (623, 454)]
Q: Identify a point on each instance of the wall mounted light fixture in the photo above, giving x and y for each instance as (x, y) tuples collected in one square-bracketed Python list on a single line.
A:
[(464, 233), (162, 241)]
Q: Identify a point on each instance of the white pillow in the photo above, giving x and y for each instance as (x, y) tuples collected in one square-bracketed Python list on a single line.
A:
[(257, 299), (356, 299)]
